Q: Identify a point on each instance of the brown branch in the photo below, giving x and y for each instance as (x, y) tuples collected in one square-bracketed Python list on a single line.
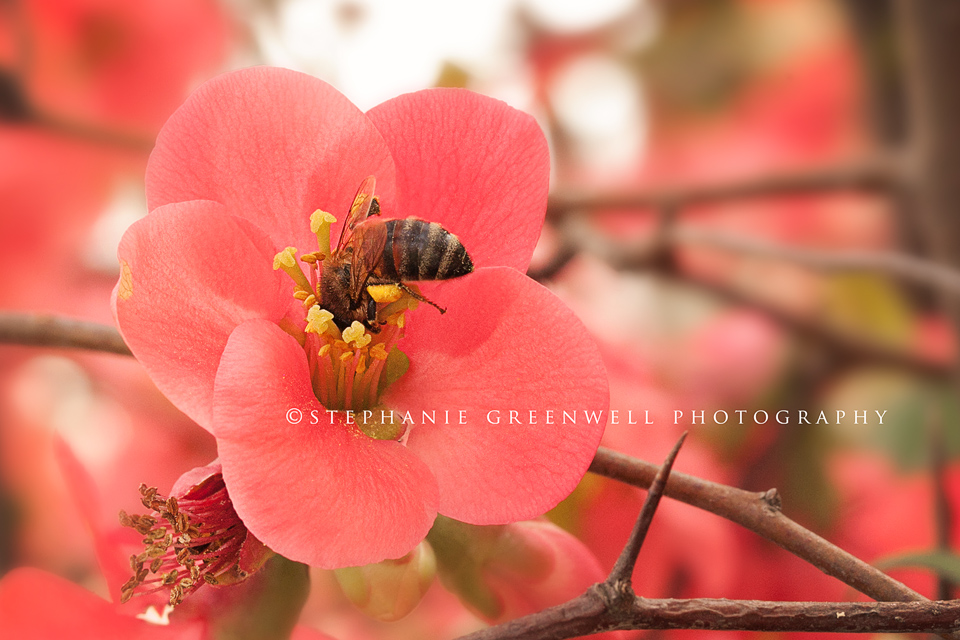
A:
[(612, 605), (942, 509), (40, 330), (844, 344), (577, 235), (895, 265), (594, 613), (760, 513), (876, 176), (87, 132), (757, 512)]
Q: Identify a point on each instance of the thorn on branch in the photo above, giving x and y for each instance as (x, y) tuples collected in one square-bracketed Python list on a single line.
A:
[(620, 576)]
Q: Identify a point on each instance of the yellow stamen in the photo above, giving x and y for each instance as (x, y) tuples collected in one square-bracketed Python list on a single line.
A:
[(357, 335), (378, 351), (287, 261), (361, 364), (300, 294), (310, 301), (320, 222), (362, 341), (318, 320)]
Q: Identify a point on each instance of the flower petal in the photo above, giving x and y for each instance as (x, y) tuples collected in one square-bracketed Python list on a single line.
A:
[(316, 490), (475, 165), (42, 606), (180, 295), (506, 343), (272, 145)]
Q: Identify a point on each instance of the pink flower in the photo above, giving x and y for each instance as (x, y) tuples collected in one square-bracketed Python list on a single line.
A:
[(41, 606), (233, 180), (124, 65), (190, 539), (502, 573), (192, 544), (52, 190)]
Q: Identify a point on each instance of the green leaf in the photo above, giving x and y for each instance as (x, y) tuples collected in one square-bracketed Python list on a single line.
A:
[(268, 603), (943, 563), (461, 550), (396, 365), (870, 305)]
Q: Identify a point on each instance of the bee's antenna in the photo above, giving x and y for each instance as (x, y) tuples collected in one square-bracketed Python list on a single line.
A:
[(419, 296)]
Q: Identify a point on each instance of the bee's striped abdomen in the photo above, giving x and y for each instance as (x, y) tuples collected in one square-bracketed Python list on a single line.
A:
[(419, 250)]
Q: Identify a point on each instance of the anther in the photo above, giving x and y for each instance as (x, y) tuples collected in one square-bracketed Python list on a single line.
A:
[(287, 261), (357, 335), (320, 222), (319, 320)]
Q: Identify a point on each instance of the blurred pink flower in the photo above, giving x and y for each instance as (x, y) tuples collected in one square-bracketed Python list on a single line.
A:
[(535, 565), (233, 179), (196, 542), (502, 573), (41, 606), (52, 189), (117, 64)]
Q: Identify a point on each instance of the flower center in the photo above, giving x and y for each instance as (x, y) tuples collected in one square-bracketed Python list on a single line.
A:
[(351, 365), (189, 542)]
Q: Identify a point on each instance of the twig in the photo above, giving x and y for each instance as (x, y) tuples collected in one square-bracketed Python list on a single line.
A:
[(757, 512), (589, 614), (612, 605), (868, 176), (622, 571), (942, 511), (40, 330), (896, 265), (760, 513), (88, 132), (577, 235), (845, 344)]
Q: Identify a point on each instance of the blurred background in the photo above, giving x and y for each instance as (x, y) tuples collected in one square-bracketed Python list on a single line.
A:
[(747, 200)]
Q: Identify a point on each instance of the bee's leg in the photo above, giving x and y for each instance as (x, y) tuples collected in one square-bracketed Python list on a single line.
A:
[(373, 325), (419, 296)]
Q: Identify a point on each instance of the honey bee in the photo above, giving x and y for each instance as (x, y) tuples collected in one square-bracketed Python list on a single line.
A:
[(374, 252)]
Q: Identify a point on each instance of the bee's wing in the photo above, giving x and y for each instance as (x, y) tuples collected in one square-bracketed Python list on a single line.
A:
[(358, 210), (367, 242)]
